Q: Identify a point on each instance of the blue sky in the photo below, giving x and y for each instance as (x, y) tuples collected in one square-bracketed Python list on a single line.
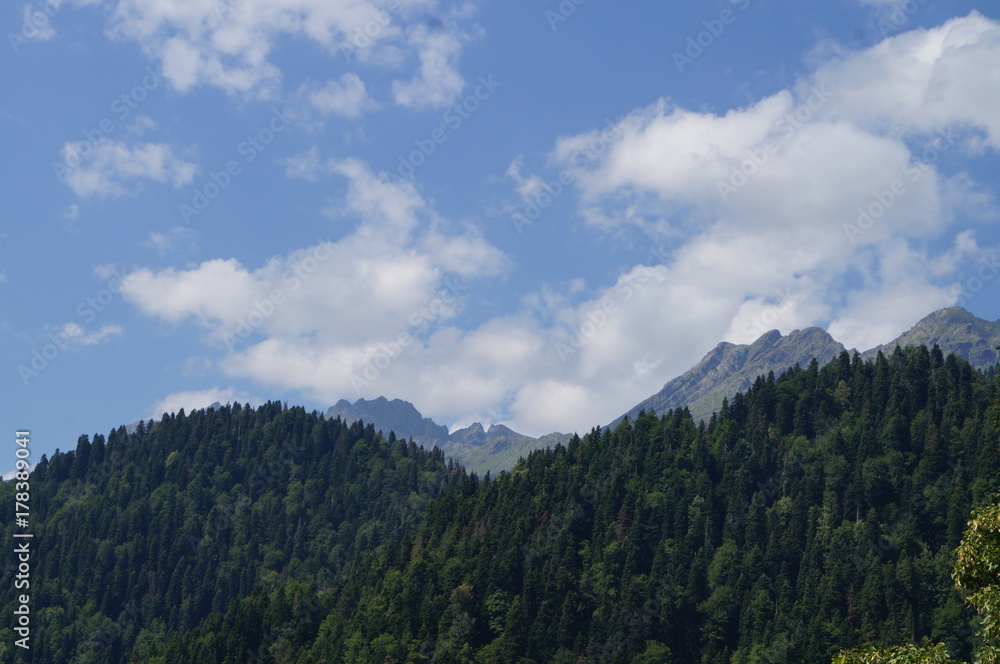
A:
[(528, 213)]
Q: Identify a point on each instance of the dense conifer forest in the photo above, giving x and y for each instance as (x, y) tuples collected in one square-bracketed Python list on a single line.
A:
[(820, 510)]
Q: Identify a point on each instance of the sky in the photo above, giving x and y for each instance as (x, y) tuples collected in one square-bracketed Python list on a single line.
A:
[(529, 213)]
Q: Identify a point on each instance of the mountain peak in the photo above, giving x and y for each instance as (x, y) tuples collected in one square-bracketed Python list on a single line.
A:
[(729, 368), (954, 330), (396, 415), (767, 339), (475, 447), (947, 315)]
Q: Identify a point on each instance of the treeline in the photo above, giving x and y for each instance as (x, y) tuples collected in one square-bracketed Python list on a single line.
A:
[(817, 511)]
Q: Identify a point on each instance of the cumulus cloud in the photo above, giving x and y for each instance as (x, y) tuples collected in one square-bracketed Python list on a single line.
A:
[(833, 181), (828, 203), (931, 81), (230, 44), (106, 168), (315, 317)]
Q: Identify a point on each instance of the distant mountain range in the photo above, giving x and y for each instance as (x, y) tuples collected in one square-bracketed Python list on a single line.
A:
[(476, 448), (727, 369)]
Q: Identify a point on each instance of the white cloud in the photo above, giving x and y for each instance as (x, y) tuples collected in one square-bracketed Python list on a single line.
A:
[(106, 168), (75, 335), (836, 176), (467, 255), (315, 316), (346, 97), (230, 43), (527, 187), (197, 399), (217, 290), (438, 83), (941, 79)]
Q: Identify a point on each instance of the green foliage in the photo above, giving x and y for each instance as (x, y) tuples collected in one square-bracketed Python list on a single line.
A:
[(908, 654), (146, 535), (977, 571)]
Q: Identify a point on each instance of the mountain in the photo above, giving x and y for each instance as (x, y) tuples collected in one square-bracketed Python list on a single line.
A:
[(730, 368), (396, 415), (477, 449), (495, 449), (954, 330), (726, 370), (186, 515)]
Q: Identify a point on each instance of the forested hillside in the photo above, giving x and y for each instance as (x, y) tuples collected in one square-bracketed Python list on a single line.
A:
[(140, 536), (817, 511)]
